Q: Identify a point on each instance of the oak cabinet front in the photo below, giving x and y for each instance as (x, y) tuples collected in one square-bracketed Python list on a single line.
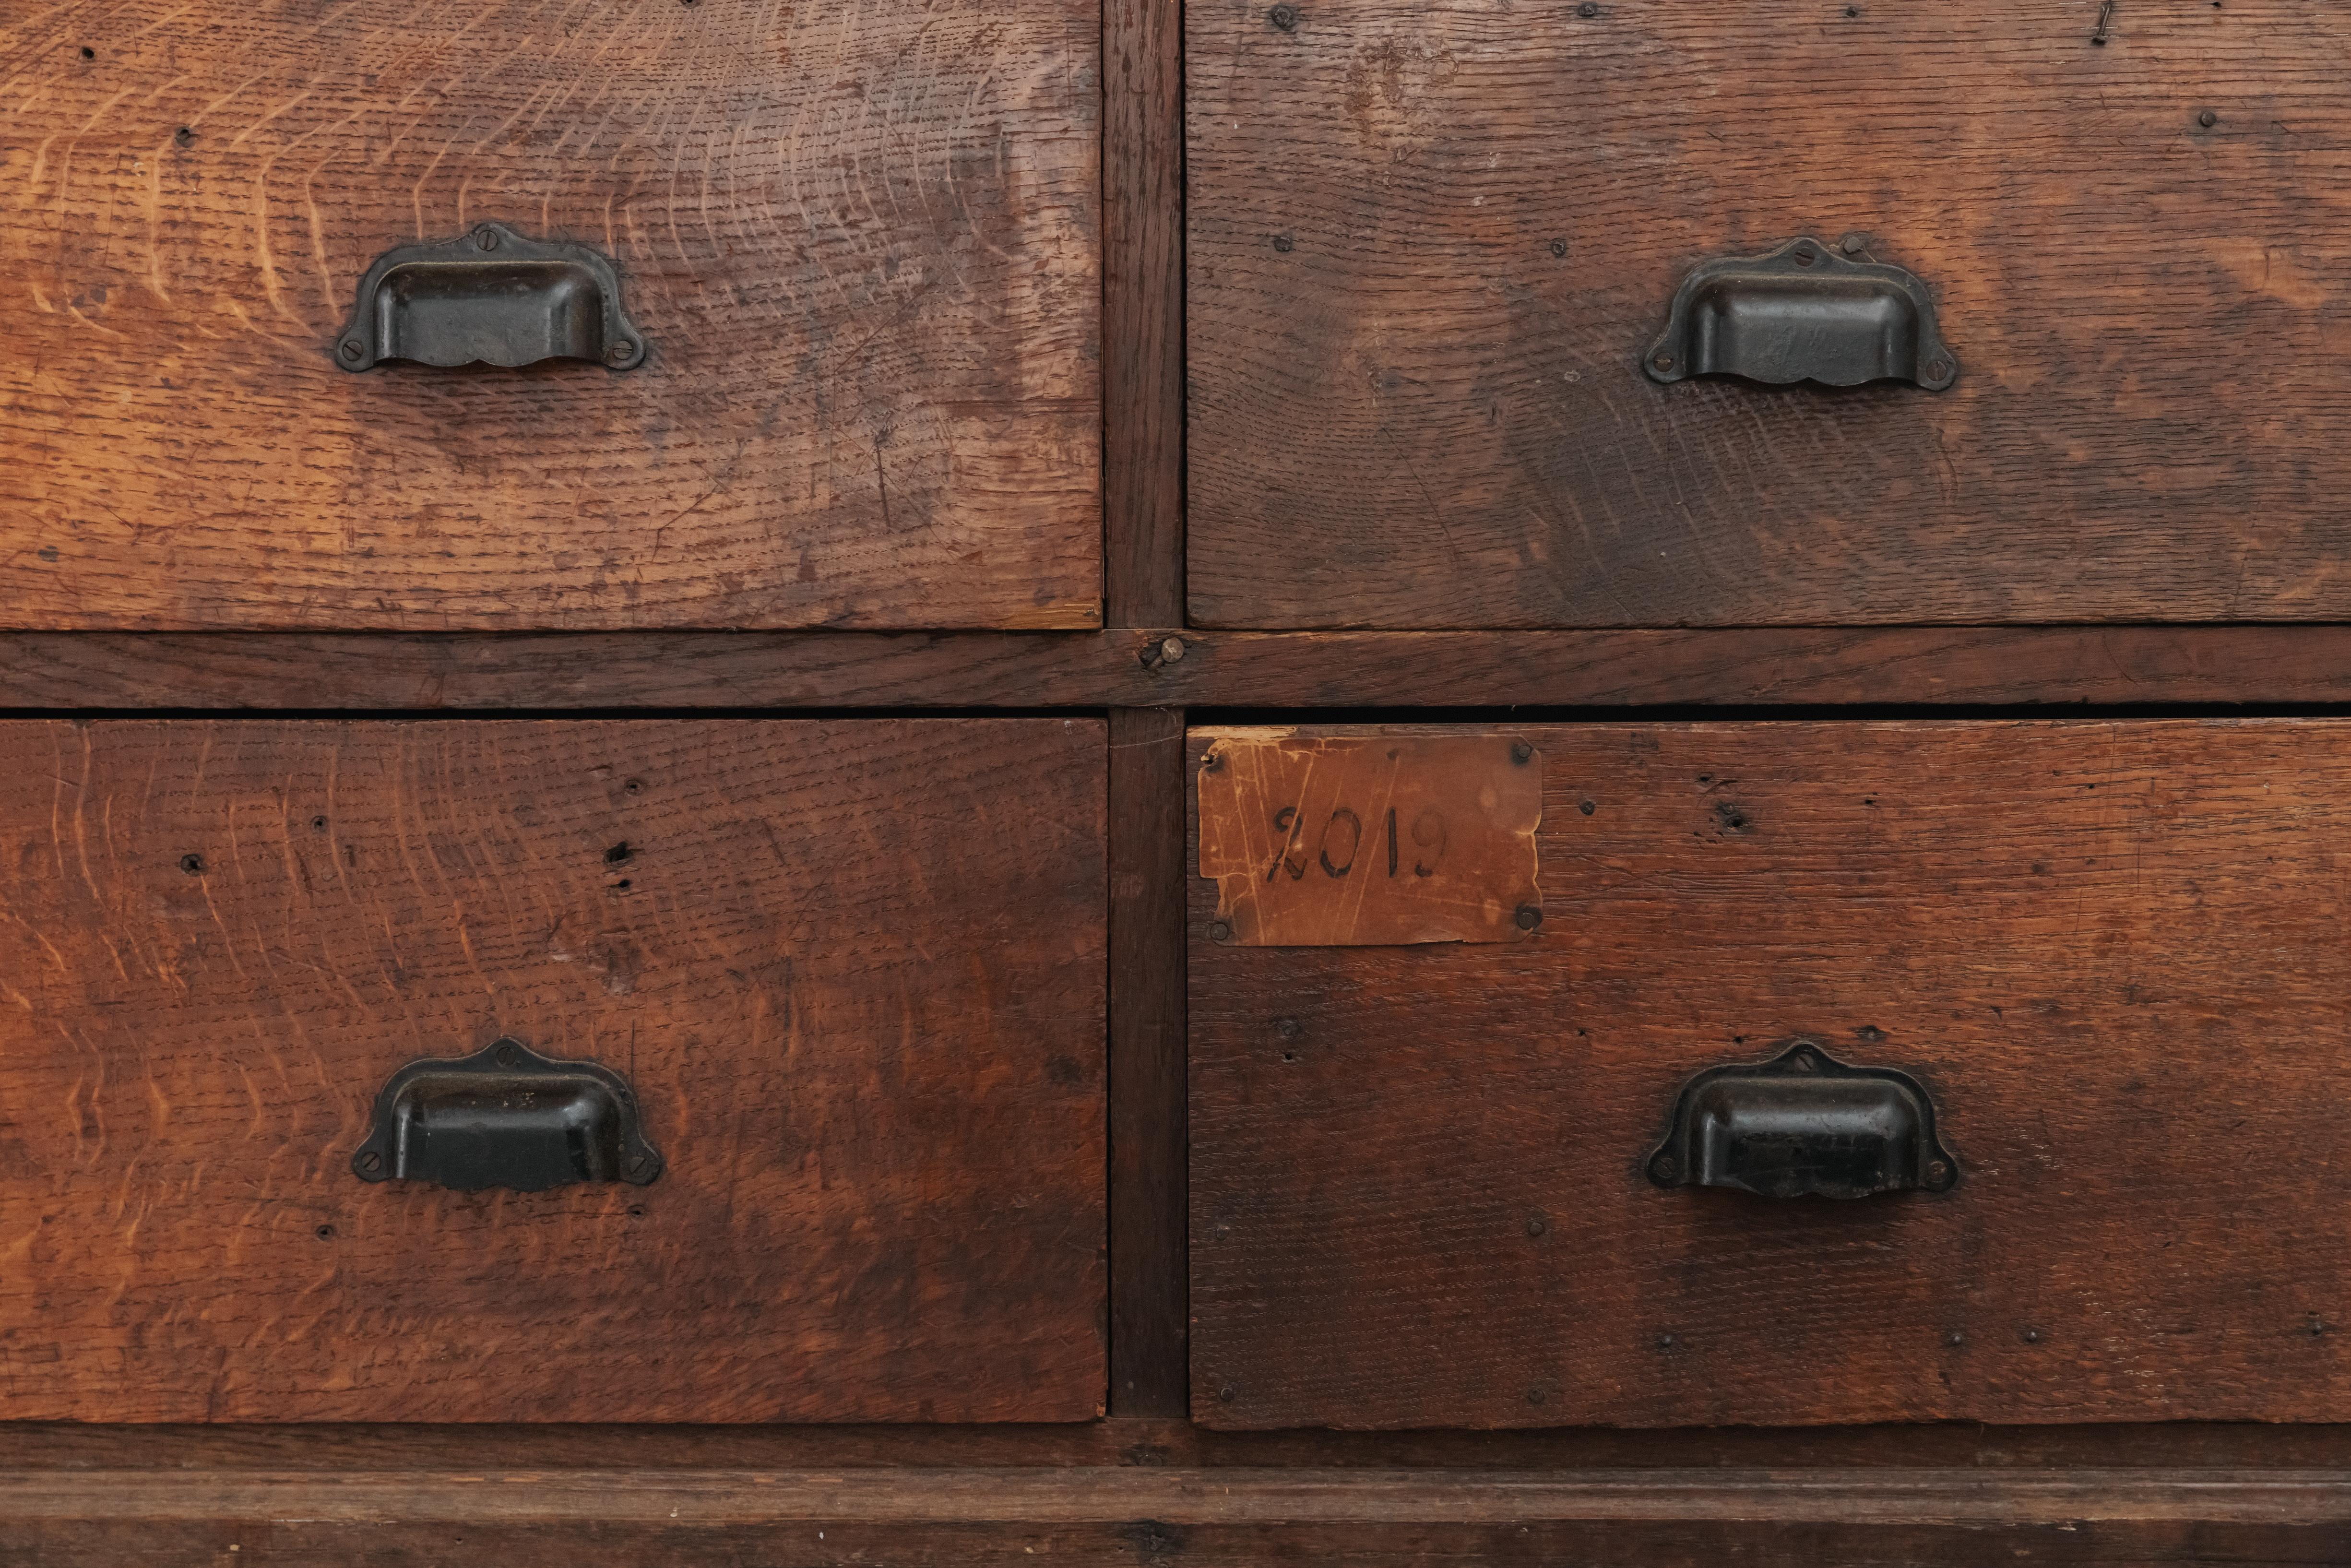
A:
[(525, 315), (1845, 1072), (666, 1071), (1995, 320)]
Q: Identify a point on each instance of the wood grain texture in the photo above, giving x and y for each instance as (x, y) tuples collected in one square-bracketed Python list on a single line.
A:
[(1148, 1275), (862, 246), (854, 972), (1163, 1442), (1430, 242), (570, 670), (1142, 311), (2111, 951), (1753, 666), (1307, 1496), (1760, 666), (850, 1543), (1150, 1516)]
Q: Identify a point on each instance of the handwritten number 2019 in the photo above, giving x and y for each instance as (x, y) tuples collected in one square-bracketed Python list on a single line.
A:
[(1342, 843)]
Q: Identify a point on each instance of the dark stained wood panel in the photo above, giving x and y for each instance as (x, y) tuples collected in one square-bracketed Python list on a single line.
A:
[(1143, 312), (1148, 1281), (862, 245), (1430, 243), (2112, 951), (853, 971)]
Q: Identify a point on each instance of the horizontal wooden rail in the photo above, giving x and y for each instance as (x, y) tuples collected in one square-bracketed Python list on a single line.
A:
[(999, 1496), (1168, 668)]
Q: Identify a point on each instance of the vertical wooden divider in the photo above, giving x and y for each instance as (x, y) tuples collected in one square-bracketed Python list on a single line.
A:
[(1149, 1306), (1142, 555), (1143, 312)]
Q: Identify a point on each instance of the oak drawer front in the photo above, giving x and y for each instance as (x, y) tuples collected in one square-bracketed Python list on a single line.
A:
[(2109, 955), (858, 248), (851, 972), (1432, 244)]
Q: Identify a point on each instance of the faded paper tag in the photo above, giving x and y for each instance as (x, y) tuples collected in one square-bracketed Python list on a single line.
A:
[(1370, 839)]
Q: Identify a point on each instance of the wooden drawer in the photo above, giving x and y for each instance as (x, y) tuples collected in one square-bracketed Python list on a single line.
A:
[(2111, 956), (859, 248), (1431, 245), (853, 972)]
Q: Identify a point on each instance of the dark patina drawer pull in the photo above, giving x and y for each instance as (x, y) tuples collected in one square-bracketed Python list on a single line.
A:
[(1802, 313), (1804, 1122), (506, 1116), (492, 296)]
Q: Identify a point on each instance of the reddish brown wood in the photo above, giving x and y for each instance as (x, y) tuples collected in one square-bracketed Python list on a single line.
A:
[(861, 246), (1762, 666), (853, 1543), (1142, 310), (853, 971), (1759, 666), (1148, 1276), (2112, 952), (575, 670), (1178, 1497), (1158, 1515), (1118, 1440), (1429, 243)]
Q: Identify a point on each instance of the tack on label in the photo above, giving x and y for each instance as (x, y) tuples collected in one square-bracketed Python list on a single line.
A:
[(1370, 839)]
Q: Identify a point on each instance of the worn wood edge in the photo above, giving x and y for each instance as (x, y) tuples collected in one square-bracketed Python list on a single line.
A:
[(455, 671), (2119, 665), (1149, 1225), (991, 1496), (447, 673), (1168, 1442)]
